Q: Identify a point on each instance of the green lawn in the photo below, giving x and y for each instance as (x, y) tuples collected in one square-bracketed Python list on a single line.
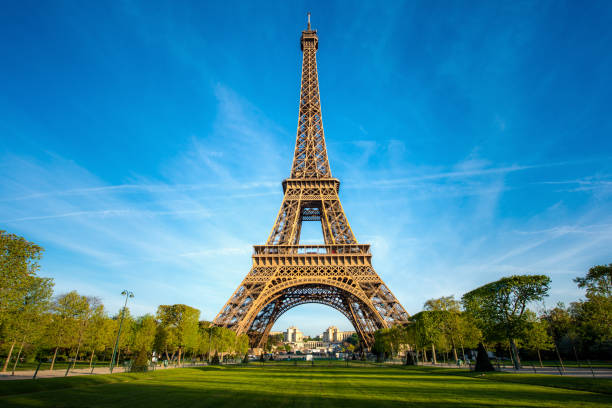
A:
[(303, 386)]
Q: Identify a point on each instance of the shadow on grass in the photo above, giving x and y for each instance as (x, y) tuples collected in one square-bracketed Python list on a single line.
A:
[(220, 387), (599, 385)]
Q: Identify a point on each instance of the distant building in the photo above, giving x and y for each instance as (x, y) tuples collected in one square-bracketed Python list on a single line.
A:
[(275, 333), (293, 335), (311, 344), (333, 335)]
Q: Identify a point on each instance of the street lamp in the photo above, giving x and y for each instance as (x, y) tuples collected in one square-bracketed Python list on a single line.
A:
[(127, 295)]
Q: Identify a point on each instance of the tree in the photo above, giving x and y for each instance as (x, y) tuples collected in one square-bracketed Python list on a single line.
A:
[(24, 297), (536, 335), (18, 265), (499, 307), (242, 344), (67, 312), (127, 332), (482, 360), (353, 339), (593, 316), (205, 338), (145, 328), (598, 281), (99, 333), (27, 320), (181, 326), (426, 332), (449, 311), (92, 303), (388, 342)]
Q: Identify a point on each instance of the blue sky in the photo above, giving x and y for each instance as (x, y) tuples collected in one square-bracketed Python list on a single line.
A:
[(143, 143)]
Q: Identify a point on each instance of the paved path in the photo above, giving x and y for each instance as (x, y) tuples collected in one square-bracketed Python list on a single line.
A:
[(569, 371), (28, 374)]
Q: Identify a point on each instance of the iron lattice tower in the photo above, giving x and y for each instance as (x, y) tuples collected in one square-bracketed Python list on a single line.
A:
[(285, 274)]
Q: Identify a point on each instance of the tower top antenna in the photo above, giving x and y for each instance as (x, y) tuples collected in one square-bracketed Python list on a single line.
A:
[(309, 20)]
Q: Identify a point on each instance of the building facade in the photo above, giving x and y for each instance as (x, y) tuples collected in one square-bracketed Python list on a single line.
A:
[(293, 335), (333, 335)]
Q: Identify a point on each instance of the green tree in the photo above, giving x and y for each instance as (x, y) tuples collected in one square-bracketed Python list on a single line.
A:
[(205, 338), (426, 332), (536, 335), (99, 333), (598, 281), (593, 316), (67, 312), (92, 303), (180, 325), (127, 333), (27, 321), (145, 328), (448, 312), (242, 344), (24, 296), (499, 307), (18, 264)]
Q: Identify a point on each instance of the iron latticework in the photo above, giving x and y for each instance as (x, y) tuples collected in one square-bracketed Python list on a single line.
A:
[(285, 274)]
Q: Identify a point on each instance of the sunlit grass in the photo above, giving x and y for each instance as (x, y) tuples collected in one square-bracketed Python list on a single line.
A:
[(302, 386)]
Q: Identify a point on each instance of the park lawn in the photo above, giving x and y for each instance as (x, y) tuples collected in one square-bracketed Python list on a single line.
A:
[(597, 385), (286, 386)]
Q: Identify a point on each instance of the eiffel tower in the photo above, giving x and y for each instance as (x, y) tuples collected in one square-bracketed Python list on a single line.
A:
[(286, 274)]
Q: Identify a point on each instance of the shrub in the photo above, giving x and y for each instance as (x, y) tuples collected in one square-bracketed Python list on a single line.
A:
[(141, 362)]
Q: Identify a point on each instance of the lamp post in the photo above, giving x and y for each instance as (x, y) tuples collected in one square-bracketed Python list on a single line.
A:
[(127, 295)]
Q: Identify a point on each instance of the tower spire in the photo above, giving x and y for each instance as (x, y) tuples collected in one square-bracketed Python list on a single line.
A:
[(310, 157)]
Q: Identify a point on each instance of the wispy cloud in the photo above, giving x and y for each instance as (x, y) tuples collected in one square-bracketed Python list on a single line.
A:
[(150, 233)]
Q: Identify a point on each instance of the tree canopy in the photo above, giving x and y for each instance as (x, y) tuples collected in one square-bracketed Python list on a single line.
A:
[(499, 307)]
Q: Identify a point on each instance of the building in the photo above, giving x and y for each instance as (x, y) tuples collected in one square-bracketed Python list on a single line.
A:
[(293, 335), (333, 335), (311, 344)]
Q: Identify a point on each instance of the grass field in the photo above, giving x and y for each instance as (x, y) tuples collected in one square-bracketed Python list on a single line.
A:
[(301, 386)]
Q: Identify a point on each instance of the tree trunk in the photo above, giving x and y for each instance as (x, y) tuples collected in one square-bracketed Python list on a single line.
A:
[(180, 350), (53, 360), (433, 353), (576, 355), (517, 359), (91, 358), (8, 358), (559, 356), (424, 355), (454, 349), (18, 355), (76, 356), (540, 358)]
